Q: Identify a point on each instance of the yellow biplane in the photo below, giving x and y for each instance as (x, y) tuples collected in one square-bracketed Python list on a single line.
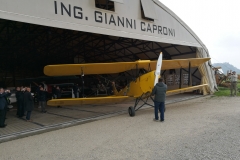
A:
[(139, 89)]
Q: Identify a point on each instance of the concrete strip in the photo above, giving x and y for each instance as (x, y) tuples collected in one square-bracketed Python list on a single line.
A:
[(42, 127)]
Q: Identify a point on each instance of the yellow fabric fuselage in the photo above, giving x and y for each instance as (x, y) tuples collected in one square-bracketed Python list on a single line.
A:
[(143, 84)]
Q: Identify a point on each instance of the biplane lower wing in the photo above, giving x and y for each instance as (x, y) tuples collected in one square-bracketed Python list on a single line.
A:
[(84, 101), (112, 99)]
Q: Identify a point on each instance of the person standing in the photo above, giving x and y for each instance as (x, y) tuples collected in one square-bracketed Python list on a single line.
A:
[(159, 91), (21, 101), (37, 91), (42, 99), (75, 90), (58, 94), (233, 80), (19, 105), (3, 106), (54, 92), (28, 103)]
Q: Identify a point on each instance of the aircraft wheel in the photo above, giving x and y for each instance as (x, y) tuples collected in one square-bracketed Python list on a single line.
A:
[(131, 111)]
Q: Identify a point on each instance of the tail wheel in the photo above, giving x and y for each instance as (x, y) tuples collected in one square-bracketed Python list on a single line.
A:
[(131, 111)]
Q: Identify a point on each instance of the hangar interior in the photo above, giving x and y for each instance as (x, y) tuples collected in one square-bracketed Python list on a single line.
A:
[(26, 48)]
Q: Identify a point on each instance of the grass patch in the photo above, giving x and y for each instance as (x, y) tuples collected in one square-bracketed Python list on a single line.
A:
[(223, 91)]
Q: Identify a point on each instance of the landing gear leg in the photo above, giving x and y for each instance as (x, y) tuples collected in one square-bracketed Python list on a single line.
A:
[(132, 110)]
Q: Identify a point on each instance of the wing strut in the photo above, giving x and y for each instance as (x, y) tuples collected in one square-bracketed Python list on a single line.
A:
[(189, 73), (180, 81), (82, 77), (143, 98)]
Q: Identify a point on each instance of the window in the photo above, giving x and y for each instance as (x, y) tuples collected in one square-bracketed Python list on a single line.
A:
[(143, 15), (119, 1), (148, 10), (105, 4)]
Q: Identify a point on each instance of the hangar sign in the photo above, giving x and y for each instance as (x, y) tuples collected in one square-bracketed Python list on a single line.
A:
[(111, 19), (138, 19)]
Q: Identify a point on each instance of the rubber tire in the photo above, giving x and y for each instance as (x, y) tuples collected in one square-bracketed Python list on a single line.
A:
[(131, 111)]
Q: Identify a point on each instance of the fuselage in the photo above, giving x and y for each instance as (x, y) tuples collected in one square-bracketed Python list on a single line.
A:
[(142, 85)]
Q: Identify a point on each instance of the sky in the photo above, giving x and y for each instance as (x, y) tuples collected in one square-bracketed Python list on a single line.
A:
[(216, 23)]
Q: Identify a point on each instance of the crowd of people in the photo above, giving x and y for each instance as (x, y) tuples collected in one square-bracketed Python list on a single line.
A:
[(3, 106), (25, 103), (25, 99)]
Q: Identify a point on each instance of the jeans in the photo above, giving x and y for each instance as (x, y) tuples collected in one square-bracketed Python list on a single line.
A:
[(233, 88), (28, 115), (161, 107), (20, 111), (75, 95), (43, 105), (2, 117)]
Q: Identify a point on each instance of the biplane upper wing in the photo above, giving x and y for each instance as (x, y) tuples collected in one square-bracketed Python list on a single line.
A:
[(183, 63), (94, 68), (93, 100), (110, 68)]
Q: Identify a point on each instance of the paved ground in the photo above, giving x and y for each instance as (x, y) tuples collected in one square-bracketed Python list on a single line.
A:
[(203, 128), (57, 118)]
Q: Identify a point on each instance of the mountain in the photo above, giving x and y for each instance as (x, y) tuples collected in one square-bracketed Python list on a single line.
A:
[(226, 67)]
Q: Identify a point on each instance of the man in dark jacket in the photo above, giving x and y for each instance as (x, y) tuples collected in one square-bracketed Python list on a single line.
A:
[(42, 99), (19, 105), (21, 101), (58, 92), (28, 103), (3, 106), (54, 92), (37, 91), (159, 91), (75, 90)]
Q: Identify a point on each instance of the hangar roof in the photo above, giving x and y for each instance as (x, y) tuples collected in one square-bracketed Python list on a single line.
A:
[(147, 20)]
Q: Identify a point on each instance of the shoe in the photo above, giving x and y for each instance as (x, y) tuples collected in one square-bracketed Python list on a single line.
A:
[(161, 120), (44, 111), (3, 126), (29, 120), (156, 120)]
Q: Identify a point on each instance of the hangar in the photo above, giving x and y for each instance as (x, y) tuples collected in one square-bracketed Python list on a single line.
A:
[(38, 33)]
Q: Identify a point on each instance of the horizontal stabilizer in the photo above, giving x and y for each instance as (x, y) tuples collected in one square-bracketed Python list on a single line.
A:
[(187, 89)]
